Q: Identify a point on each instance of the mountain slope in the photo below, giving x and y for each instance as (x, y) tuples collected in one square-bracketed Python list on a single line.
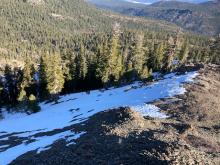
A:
[(58, 119), (62, 16), (43, 24), (202, 18)]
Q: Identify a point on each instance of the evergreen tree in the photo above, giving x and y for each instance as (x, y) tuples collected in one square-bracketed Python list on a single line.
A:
[(70, 72), (43, 70), (138, 54), (109, 60), (184, 52), (215, 50), (125, 58), (151, 60), (72, 67), (138, 62), (82, 67), (13, 78), (158, 56), (115, 58), (51, 74), (27, 80), (170, 54), (54, 75), (101, 63)]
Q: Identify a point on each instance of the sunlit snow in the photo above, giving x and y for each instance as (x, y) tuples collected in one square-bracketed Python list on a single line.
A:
[(78, 107)]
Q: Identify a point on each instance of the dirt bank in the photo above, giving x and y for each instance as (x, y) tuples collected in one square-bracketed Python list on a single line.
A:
[(200, 109)]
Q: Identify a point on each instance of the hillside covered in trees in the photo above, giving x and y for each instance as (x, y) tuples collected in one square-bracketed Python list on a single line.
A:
[(29, 28), (84, 85), (57, 47), (202, 18)]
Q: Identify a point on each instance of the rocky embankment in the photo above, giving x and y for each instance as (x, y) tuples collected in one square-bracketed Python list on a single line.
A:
[(191, 134)]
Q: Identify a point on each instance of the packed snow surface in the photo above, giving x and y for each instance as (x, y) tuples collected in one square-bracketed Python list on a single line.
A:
[(78, 107)]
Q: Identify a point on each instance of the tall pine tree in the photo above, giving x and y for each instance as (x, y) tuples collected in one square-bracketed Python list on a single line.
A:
[(115, 58), (170, 54), (82, 67), (55, 77), (184, 52), (159, 56), (27, 80), (51, 74)]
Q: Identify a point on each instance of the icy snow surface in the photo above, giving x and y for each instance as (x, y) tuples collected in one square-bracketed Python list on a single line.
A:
[(76, 108)]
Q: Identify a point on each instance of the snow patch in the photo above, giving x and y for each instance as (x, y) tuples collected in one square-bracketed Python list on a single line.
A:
[(4, 139), (149, 110), (78, 107), (40, 144), (12, 115), (4, 146)]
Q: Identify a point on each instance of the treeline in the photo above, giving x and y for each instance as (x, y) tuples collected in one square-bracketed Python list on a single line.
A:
[(106, 60)]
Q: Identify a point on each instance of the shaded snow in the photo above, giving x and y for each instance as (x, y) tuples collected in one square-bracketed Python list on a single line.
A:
[(4, 146), (12, 115), (6, 138), (40, 144), (75, 108)]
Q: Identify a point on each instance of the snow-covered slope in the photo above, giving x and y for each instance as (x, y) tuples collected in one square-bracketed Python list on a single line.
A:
[(78, 107)]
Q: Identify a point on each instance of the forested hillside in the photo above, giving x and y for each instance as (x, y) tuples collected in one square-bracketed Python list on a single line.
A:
[(84, 85), (201, 18), (52, 47), (30, 26)]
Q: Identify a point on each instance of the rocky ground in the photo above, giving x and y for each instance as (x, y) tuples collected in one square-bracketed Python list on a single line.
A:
[(191, 135)]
